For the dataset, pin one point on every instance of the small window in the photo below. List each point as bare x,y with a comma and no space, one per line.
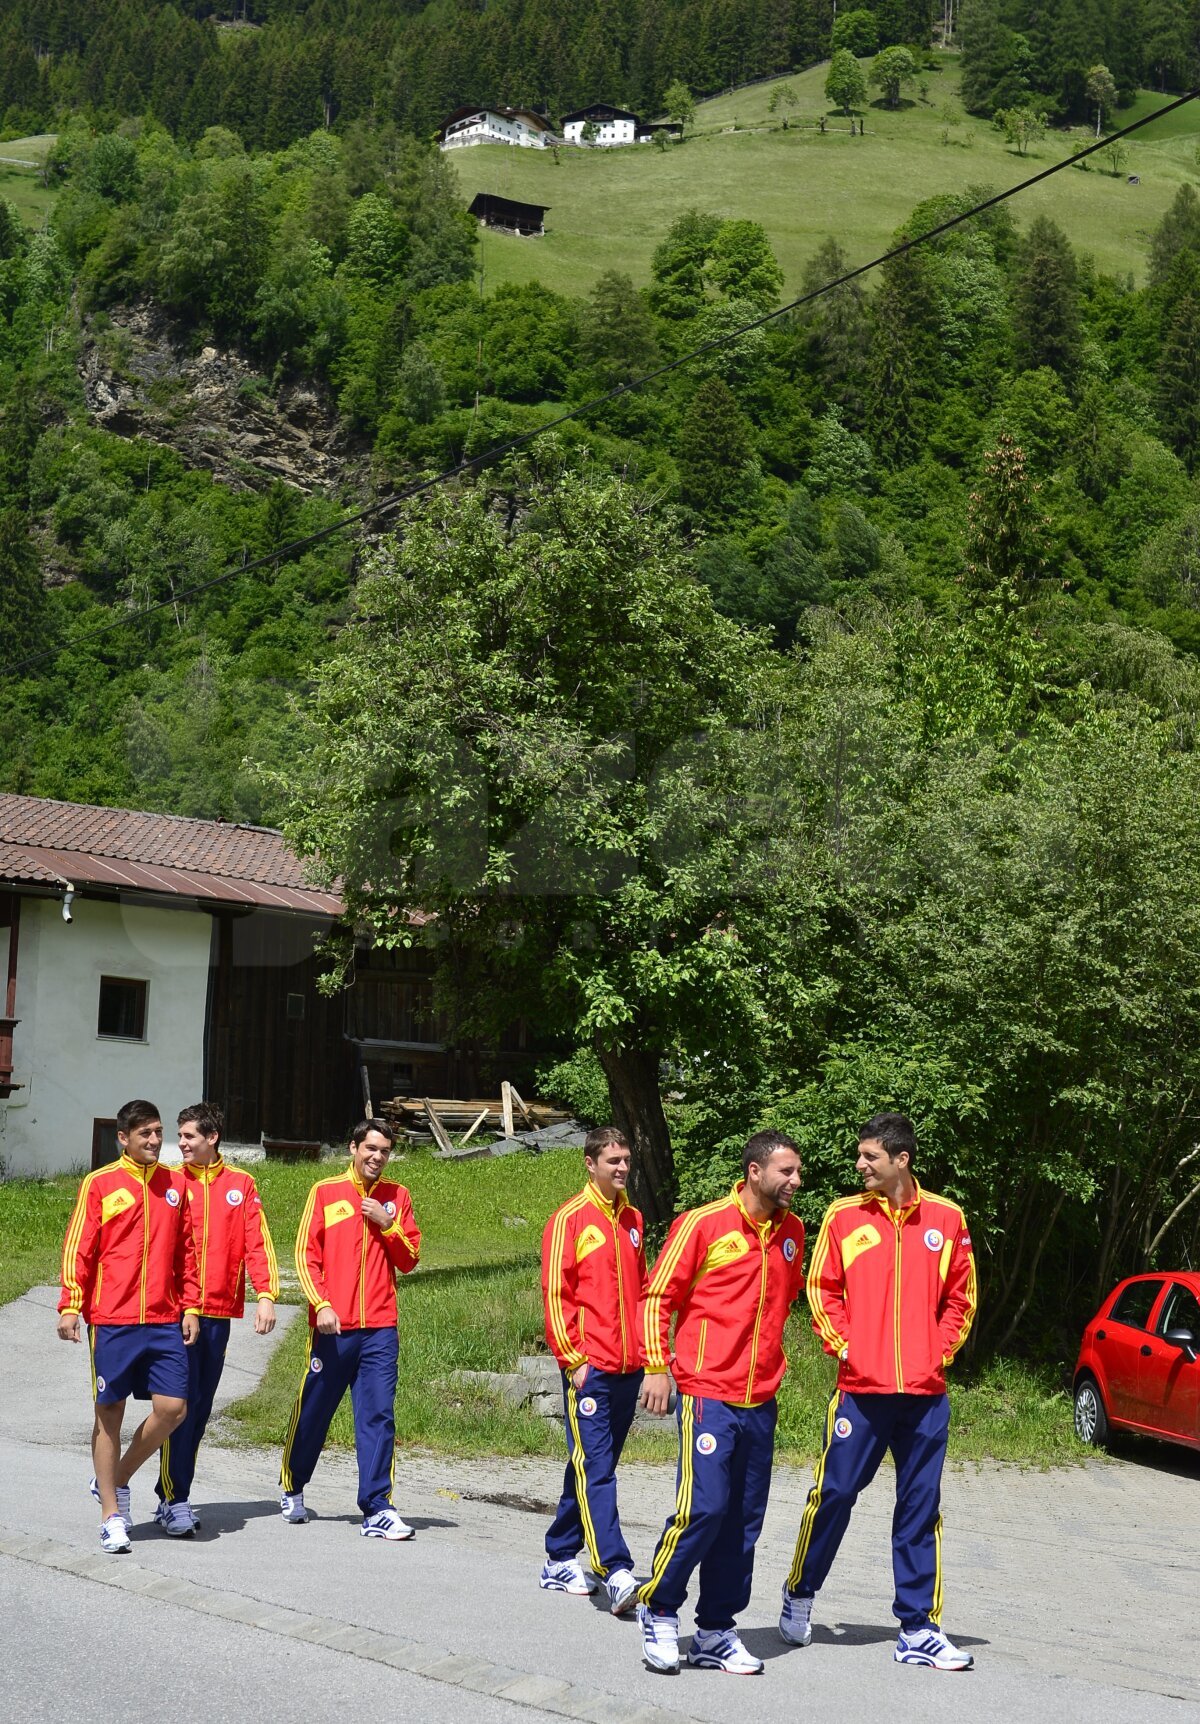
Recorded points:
1136,1303
1181,1311
295,1006
105,1147
122,1013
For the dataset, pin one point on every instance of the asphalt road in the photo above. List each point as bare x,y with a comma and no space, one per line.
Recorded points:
1075,1590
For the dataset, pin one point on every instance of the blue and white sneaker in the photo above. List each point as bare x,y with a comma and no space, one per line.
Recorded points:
114,1535
929,1646
622,1591
795,1619
386,1523
565,1577
122,1501
291,1507
660,1638
176,1519
721,1649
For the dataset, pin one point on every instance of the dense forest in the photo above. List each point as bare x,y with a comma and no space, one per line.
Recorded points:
921,560
273,70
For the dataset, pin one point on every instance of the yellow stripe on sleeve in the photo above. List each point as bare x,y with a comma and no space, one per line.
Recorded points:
554,1284
821,1319
307,1285
70,1257
664,1269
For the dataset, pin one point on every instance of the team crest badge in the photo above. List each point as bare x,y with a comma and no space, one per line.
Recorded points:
316,1366
587,1406
933,1239
842,1427
635,1238
172,1197
233,1198
705,1443
101,1385
390,1209
789,1249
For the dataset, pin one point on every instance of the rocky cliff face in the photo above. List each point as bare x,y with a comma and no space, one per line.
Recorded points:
140,380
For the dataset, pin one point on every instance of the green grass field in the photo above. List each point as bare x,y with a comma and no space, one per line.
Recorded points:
609,208
475,1304
22,186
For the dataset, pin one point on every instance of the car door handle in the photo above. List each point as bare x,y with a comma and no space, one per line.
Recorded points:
1146,1352
1102,1334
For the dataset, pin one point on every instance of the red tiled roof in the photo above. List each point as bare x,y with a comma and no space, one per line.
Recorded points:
66,843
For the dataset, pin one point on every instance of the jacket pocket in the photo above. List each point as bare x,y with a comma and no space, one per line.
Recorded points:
701,1344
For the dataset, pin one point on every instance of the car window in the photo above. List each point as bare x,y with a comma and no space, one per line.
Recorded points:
1136,1303
1181,1311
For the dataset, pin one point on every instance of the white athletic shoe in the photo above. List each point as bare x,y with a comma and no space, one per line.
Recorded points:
929,1646
114,1535
622,1590
291,1507
386,1523
122,1502
721,1649
795,1619
565,1577
660,1638
176,1519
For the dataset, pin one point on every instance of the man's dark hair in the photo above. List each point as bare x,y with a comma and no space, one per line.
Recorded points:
365,1126
206,1117
762,1147
894,1131
136,1113
600,1137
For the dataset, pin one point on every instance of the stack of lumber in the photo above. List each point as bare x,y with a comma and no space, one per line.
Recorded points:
441,1115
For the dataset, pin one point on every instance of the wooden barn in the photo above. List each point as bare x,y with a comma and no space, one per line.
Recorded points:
508,213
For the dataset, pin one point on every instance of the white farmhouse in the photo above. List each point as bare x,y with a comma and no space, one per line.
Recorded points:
606,126
520,126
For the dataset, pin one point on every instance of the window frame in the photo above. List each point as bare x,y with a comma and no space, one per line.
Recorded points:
138,982
1156,1286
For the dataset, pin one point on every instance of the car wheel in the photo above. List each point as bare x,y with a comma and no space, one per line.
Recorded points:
1091,1419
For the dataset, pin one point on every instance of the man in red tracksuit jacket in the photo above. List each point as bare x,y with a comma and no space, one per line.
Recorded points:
230,1233
129,1269
730,1271
593,1279
357,1232
892,1291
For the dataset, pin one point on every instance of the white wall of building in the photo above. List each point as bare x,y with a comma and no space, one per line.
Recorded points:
72,1075
608,132
488,128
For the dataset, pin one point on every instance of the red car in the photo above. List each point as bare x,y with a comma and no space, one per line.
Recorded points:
1138,1367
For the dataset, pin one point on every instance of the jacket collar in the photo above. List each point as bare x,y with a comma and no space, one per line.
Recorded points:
136,1170
206,1175
883,1204
767,1226
613,1209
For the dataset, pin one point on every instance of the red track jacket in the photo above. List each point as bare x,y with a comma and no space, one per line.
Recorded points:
128,1256
350,1263
897,1290
593,1279
231,1234
732,1281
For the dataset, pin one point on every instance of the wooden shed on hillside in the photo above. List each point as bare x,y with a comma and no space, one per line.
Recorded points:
508,213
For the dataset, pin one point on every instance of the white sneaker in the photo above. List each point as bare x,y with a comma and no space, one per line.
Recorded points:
122,1502
795,1619
291,1507
622,1590
176,1519
720,1649
386,1523
929,1646
114,1535
565,1577
660,1638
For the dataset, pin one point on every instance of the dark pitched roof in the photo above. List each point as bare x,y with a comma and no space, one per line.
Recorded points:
68,843
601,111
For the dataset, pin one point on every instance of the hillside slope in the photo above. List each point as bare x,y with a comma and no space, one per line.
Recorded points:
609,209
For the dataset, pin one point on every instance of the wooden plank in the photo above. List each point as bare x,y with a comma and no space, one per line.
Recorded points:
435,1125
470,1134
506,1118
512,1090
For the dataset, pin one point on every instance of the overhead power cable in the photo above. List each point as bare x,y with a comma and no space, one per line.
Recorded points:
499,451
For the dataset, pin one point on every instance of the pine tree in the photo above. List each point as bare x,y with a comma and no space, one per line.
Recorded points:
1046,329
1178,383
1007,550
714,451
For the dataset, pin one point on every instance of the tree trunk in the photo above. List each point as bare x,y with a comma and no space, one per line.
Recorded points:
636,1099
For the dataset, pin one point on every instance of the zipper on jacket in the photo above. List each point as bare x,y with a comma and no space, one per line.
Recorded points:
204,1252
762,1299
145,1245
620,1293
362,1273
898,1223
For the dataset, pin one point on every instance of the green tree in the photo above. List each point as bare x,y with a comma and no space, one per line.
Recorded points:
1022,127
22,597
741,264
714,451
1178,379
1006,526
891,70
1101,91
678,104
616,331
784,101
845,82
561,785
857,32
1046,327
1177,232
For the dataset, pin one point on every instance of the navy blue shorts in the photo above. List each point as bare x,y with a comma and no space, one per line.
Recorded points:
138,1359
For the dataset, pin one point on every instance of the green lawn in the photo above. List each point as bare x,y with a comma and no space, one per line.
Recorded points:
22,186
475,1304
609,208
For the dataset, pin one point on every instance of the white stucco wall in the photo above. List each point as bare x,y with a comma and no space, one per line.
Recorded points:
489,128
72,1075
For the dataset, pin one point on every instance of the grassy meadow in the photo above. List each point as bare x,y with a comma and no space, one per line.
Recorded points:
22,186
475,1304
609,208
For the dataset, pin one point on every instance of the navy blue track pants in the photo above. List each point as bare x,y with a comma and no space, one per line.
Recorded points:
365,1361
598,1418
177,1457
